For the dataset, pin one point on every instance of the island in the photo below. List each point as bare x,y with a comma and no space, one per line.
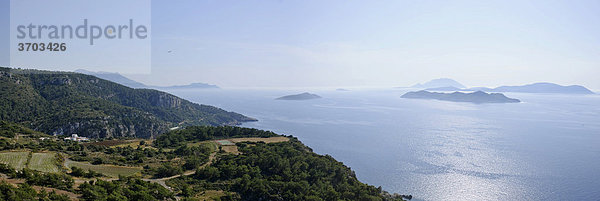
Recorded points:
302,96
544,87
438,83
474,97
444,89
114,77
198,85
541,87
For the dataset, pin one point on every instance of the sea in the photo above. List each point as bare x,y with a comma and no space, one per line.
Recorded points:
545,148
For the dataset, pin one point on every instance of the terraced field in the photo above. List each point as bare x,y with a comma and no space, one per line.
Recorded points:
44,162
17,160
108,170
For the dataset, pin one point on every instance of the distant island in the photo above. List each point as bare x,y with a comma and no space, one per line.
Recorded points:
302,96
540,87
544,87
474,97
446,89
114,77
198,85
341,89
441,82
120,79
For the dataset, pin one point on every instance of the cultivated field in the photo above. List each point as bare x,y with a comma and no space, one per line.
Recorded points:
44,162
210,144
258,139
231,149
108,170
17,160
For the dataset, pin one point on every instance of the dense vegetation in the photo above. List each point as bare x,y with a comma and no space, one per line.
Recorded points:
275,171
9,129
24,192
66,103
123,189
280,171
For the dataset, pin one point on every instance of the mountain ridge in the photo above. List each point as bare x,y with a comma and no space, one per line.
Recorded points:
67,103
121,79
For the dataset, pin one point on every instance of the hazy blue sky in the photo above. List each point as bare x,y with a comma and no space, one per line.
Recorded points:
373,43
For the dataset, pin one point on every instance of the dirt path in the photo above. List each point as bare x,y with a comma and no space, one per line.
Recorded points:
161,181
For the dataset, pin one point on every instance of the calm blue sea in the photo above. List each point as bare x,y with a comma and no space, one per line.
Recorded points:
545,148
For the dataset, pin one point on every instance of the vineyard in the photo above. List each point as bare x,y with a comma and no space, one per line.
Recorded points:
43,162
17,160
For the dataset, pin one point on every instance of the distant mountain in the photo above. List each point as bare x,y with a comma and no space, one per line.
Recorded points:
190,86
341,89
120,79
479,89
68,103
302,96
443,89
544,87
114,77
441,82
475,97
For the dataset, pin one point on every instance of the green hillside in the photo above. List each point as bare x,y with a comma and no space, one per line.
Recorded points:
67,103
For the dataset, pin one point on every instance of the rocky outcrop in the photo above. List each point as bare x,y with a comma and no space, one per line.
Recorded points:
165,100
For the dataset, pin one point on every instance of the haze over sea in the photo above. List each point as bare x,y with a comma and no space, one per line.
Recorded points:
545,148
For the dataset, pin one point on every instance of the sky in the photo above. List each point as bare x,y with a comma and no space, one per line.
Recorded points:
370,43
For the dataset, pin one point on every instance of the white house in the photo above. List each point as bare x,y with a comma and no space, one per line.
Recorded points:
74,137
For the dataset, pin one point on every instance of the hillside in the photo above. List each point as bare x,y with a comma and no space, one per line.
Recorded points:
66,103
195,163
